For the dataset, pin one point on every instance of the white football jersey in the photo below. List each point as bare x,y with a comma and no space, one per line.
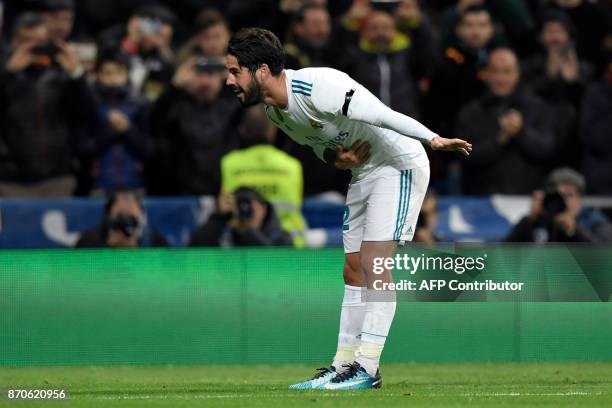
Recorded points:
326,107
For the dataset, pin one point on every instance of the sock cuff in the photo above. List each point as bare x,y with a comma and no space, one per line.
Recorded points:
352,296
370,350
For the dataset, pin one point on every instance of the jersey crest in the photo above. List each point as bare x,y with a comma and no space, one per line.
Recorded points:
315,125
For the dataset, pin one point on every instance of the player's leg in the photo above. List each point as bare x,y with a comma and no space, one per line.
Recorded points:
380,307
352,312
378,316
353,307
381,235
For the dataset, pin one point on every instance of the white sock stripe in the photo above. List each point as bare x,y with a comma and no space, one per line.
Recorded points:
352,296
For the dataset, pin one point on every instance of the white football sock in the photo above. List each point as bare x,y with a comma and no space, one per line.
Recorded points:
376,325
351,321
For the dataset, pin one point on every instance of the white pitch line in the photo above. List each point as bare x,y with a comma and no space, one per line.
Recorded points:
348,394
529,394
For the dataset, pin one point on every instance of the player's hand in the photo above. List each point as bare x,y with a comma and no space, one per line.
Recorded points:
357,154
453,145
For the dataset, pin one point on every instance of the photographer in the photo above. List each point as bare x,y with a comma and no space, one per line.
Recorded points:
123,225
243,218
557,214
277,176
44,99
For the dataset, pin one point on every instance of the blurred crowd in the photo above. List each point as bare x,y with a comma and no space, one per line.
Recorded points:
101,96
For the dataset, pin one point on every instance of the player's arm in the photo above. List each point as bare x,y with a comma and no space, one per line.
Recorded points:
365,107
345,159
342,96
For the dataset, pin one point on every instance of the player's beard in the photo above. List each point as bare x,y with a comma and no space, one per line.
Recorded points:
254,95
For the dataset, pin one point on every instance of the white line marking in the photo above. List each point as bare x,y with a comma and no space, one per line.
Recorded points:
341,394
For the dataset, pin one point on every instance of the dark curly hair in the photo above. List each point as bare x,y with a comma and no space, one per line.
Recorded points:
253,47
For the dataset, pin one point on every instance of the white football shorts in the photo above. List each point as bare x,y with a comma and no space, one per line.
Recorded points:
384,208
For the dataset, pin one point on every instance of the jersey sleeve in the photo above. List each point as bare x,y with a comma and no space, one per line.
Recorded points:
338,94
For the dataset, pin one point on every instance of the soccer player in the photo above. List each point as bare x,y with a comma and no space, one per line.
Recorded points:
349,128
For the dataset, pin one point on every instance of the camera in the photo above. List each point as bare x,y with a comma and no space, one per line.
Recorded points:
49,49
126,224
553,204
244,202
209,65
44,54
149,26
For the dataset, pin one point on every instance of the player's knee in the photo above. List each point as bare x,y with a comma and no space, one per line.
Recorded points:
352,272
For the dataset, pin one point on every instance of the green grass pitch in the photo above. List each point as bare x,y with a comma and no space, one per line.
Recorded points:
405,385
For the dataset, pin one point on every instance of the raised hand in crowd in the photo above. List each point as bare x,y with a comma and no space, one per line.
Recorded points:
22,58
68,58
408,12
358,11
185,74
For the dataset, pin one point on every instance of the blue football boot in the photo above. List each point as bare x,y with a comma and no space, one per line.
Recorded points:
317,382
354,378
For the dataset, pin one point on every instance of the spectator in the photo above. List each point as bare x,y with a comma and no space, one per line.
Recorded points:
557,214
148,43
556,73
381,63
273,173
593,22
244,218
511,129
516,25
59,18
193,125
595,128
211,38
44,98
409,19
458,79
121,143
308,44
428,220
124,225
414,22
274,15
